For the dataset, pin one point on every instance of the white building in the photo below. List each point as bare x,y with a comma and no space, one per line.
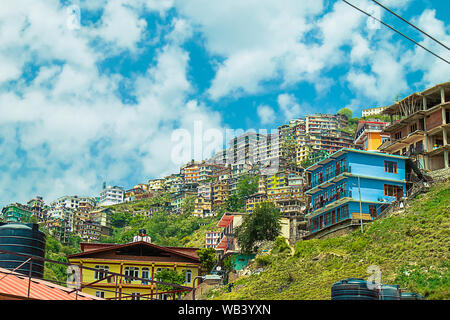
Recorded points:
63,213
372,111
111,195
71,202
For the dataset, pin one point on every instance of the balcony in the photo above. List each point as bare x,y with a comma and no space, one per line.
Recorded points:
329,175
321,202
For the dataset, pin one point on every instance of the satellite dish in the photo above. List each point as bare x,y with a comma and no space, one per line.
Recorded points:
218,268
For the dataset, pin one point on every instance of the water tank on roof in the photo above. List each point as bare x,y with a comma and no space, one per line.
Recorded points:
22,238
389,292
411,296
353,289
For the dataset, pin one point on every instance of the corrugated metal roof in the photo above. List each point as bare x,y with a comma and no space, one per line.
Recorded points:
15,285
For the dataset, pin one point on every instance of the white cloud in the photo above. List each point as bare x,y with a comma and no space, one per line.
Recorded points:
66,130
266,114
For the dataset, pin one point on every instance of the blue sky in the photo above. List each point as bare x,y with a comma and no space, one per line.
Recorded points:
93,91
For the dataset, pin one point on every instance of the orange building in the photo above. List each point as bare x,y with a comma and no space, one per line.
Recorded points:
369,135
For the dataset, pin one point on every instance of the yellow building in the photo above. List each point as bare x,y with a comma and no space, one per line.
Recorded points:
277,180
203,207
221,192
141,260
302,153
253,200
156,185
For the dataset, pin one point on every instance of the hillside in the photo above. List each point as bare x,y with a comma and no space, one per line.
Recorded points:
163,228
410,247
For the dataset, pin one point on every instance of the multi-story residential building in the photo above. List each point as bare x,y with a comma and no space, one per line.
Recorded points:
59,228
242,147
111,195
205,190
191,171
302,153
155,185
64,214
277,180
252,201
289,200
369,135
130,195
372,111
317,124
139,262
420,125
262,184
207,171
72,202
178,198
203,207
221,192
88,230
173,183
268,151
238,169
330,141
16,212
102,216
212,239
352,185
38,207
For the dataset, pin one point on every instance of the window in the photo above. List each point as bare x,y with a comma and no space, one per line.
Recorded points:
100,272
393,191
100,294
372,210
390,166
145,275
413,127
135,296
188,276
132,272
398,136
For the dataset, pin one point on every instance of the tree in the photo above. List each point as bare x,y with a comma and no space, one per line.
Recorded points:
346,112
263,224
208,258
234,203
188,205
170,276
247,185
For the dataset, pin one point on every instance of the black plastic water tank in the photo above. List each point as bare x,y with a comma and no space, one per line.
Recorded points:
22,238
353,289
389,292
411,296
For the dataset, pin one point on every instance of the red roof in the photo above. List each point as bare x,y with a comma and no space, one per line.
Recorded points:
225,221
223,244
14,285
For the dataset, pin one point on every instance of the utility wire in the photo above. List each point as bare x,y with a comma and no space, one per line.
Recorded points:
368,14
411,24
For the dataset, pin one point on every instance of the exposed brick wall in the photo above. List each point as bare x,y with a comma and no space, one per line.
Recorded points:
434,119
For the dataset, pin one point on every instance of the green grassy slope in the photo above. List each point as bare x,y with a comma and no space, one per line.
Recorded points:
411,248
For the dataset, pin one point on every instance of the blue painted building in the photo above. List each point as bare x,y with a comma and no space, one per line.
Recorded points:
336,183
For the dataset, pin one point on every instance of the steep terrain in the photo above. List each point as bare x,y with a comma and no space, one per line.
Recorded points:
410,247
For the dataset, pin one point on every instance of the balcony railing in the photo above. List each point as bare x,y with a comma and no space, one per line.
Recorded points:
320,203
328,175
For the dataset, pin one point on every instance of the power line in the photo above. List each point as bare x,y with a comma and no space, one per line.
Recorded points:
368,14
411,24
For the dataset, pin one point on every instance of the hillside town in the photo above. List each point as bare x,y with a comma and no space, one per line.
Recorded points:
324,176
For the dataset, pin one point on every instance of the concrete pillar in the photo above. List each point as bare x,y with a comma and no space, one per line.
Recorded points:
445,159
442,95
444,136
424,103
